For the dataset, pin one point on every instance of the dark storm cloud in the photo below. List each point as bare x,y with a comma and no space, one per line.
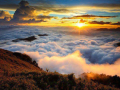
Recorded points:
24,14
24,11
28,12
9,6
17,1
61,10
45,17
54,6
118,23
88,17
28,21
5,22
99,22
13,4
111,29
102,23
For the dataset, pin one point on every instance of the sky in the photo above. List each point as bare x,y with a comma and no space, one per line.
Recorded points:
81,13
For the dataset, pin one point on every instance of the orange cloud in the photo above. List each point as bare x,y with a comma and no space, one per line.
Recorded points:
4,14
99,22
88,17
75,63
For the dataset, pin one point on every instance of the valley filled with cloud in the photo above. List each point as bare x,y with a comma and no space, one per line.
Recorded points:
66,50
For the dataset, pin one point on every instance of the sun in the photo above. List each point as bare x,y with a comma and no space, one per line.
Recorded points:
80,24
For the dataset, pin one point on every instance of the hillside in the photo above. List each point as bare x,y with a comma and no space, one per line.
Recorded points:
19,72
14,62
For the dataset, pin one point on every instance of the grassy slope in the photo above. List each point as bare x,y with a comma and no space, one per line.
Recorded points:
11,63
18,72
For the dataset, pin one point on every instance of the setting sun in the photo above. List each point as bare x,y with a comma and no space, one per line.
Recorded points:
80,24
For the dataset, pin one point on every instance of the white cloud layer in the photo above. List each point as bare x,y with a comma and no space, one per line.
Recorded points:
66,52
74,63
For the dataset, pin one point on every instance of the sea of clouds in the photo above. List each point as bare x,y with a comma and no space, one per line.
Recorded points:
66,50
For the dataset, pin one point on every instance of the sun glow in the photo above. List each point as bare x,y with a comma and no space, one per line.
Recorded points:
80,24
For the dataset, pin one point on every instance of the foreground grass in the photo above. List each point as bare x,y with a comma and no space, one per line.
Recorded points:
48,81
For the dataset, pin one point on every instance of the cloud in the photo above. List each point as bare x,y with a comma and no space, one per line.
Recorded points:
95,16
11,7
74,63
82,21
51,7
61,10
17,1
64,52
4,14
24,14
42,6
118,23
43,17
95,53
111,29
28,21
102,22
6,20
99,22
97,50
110,8
5,17
88,17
